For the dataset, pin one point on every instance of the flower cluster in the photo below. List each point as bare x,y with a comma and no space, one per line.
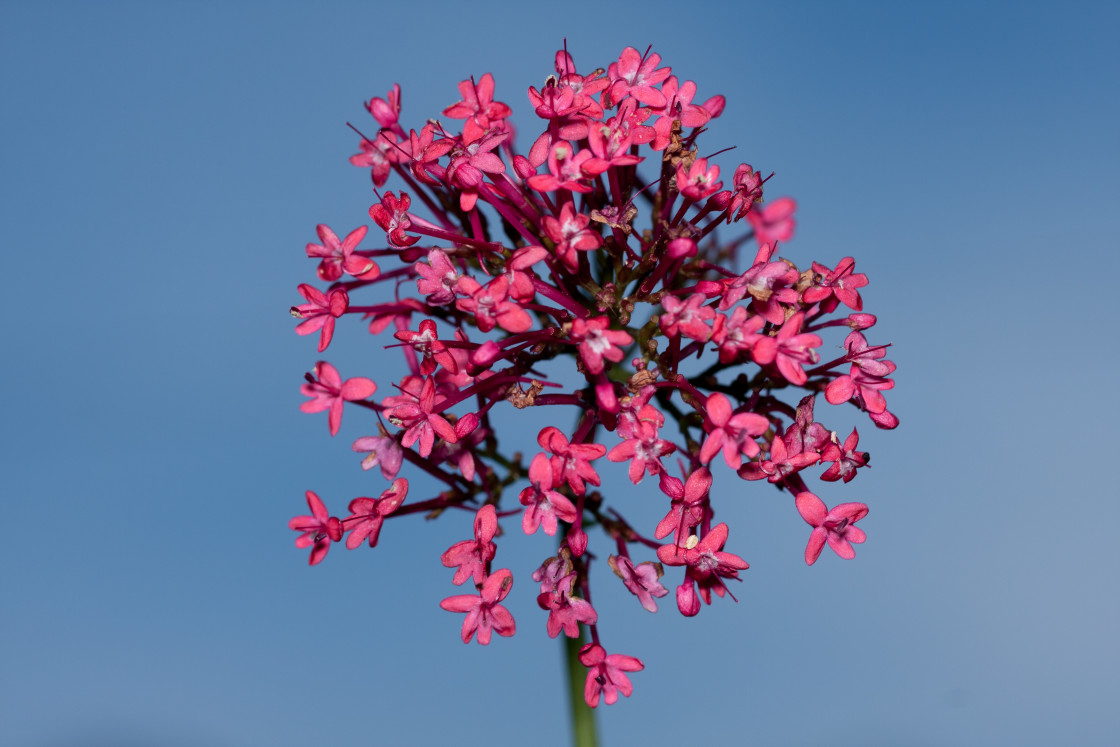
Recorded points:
586,275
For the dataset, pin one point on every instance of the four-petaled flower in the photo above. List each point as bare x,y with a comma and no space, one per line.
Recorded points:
339,255
320,311
329,392
319,529
606,675
641,579
484,613
471,557
597,341
836,527
367,514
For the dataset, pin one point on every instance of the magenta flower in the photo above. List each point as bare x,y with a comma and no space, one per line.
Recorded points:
492,306
689,318
384,450
732,434
836,527
319,312
378,155
636,76
606,675
565,611
698,181
641,579
413,410
438,279
367,514
339,255
544,506
478,107
643,449
845,459
789,350
774,222
427,343
329,392
707,565
570,233
780,464
318,531
597,342
472,557
392,216
687,508
836,286
571,463
484,613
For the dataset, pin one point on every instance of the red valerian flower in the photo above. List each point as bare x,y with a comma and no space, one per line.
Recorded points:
836,286
478,107
687,507
571,462
845,459
790,350
565,610
384,450
836,527
318,530
413,409
491,305
707,565
319,312
774,222
471,557
698,181
570,233
641,579
780,463
730,433
606,675
690,317
367,514
378,155
392,215
643,449
597,341
438,278
634,76
427,343
329,392
339,255
484,613
543,504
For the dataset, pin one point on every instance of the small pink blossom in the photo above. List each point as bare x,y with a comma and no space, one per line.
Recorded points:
384,450
836,286
544,506
688,504
565,610
606,675
571,463
319,529
707,566
641,579
836,527
789,350
698,181
690,317
774,222
478,108
471,558
329,392
413,410
597,342
491,305
484,613
339,255
636,76
392,216
845,459
730,433
426,342
643,450
319,312
780,464
438,279
367,514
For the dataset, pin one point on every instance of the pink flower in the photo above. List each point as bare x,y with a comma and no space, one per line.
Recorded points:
543,504
484,613
339,255
733,434
643,449
392,215
384,450
319,312
438,278
836,286
845,459
606,674
378,156
707,565
690,317
471,557
641,579
571,462
636,77
329,392
370,513
748,192
598,342
698,181
427,343
413,409
491,306
478,108
688,502
565,610
736,334
570,232
790,350
318,530
774,222
780,463
836,527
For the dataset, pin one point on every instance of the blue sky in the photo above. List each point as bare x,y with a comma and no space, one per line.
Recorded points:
164,165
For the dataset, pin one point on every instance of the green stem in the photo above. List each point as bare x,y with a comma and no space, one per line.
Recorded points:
583,718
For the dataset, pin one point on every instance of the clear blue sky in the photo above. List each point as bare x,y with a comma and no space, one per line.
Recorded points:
163,165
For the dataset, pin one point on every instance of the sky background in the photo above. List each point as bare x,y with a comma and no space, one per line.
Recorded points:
164,165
